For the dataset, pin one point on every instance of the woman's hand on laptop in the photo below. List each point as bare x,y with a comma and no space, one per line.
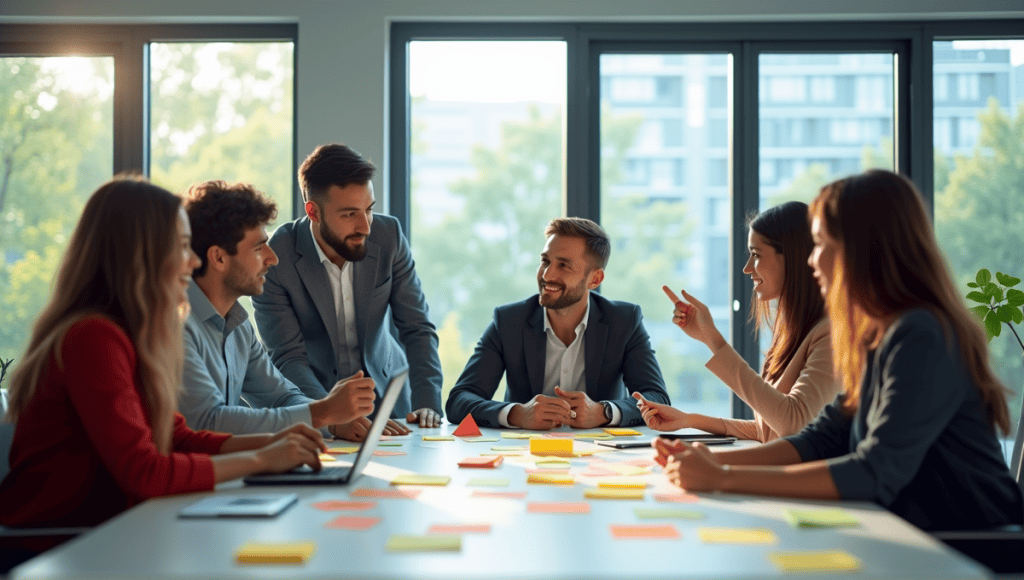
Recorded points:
297,445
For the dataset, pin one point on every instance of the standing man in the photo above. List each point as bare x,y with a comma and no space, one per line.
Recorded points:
568,355
345,287
230,384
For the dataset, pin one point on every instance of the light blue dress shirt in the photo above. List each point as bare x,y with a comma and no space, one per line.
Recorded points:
225,362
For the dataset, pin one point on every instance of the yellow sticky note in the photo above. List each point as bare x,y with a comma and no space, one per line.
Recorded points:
830,561
826,518
551,478
737,536
438,438
553,464
433,543
519,435
621,483
559,447
620,432
274,553
608,493
623,469
417,479
342,450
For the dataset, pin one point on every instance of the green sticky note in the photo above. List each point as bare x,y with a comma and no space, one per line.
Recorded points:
488,482
480,439
388,444
821,518
438,438
417,479
432,543
666,513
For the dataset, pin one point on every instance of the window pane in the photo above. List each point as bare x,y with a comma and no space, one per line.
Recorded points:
667,204
56,143
223,110
822,116
486,177
979,188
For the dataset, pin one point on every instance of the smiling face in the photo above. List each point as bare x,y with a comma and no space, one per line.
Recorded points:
248,267
823,257
344,219
565,273
765,266
185,260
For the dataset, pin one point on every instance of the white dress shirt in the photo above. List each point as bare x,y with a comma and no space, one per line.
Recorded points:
348,354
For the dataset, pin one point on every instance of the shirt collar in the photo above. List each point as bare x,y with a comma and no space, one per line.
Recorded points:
203,309
582,326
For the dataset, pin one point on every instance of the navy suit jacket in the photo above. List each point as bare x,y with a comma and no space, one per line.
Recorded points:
618,357
298,321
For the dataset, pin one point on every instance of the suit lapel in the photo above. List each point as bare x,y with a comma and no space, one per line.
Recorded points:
364,275
596,339
535,350
314,277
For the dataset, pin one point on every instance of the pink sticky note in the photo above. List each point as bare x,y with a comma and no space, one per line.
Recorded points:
676,497
637,531
560,434
544,471
338,505
558,507
500,494
641,462
386,493
388,453
594,471
460,529
352,523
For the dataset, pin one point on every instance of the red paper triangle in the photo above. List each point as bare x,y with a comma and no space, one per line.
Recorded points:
468,428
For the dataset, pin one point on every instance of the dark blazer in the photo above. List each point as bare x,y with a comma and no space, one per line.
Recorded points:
618,357
298,324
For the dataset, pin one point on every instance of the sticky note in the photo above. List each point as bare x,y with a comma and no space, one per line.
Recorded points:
435,543
640,531
388,453
388,444
438,438
601,436
676,497
352,523
645,513
558,447
623,469
274,553
508,448
488,482
602,493
558,507
417,479
550,478
547,470
480,439
553,464
827,561
337,505
467,428
619,432
386,493
327,457
484,462
499,494
818,518
622,482
460,529
519,435
737,536
505,453
342,450
560,434
593,471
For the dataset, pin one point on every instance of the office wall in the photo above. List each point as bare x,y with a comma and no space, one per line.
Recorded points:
343,45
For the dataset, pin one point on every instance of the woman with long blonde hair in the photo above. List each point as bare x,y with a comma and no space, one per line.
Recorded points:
915,427
95,395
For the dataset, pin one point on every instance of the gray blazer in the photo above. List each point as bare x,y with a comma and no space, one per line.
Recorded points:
298,323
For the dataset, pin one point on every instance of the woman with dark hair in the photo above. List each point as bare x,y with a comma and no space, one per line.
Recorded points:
95,395
796,380
915,426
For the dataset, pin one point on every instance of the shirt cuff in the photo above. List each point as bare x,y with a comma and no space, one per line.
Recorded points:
503,415
616,415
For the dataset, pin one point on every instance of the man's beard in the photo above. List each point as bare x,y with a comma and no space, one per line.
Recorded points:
348,253
569,296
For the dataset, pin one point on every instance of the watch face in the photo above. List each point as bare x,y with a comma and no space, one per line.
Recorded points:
607,411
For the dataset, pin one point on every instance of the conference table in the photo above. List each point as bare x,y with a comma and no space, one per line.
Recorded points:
507,538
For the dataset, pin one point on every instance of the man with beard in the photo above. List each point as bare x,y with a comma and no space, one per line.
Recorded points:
569,356
230,384
345,288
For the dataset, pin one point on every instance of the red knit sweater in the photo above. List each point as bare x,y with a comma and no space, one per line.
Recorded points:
83,448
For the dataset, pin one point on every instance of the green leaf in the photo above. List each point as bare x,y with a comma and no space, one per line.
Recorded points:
997,293
983,277
979,297
1015,297
972,285
1005,313
1018,316
980,311
992,325
1007,280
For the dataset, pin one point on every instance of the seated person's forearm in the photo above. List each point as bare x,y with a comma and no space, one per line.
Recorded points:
810,480
234,465
778,452
245,442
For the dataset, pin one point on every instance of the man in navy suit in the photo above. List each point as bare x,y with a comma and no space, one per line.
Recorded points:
568,356
345,287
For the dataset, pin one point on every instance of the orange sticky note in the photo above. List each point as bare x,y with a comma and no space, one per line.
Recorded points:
558,507
621,432
460,529
468,428
676,497
357,523
641,531
386,493
546,446
484,461
338,505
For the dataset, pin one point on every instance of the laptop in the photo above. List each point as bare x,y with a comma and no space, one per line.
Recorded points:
342,474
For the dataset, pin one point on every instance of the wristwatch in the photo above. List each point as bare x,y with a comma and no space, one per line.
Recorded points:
607,410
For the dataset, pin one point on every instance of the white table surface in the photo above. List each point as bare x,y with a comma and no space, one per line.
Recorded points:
151,541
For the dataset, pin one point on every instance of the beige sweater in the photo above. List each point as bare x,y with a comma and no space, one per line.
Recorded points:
783,408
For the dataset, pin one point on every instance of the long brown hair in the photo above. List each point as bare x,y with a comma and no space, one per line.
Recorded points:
888,263
785,228
116,266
